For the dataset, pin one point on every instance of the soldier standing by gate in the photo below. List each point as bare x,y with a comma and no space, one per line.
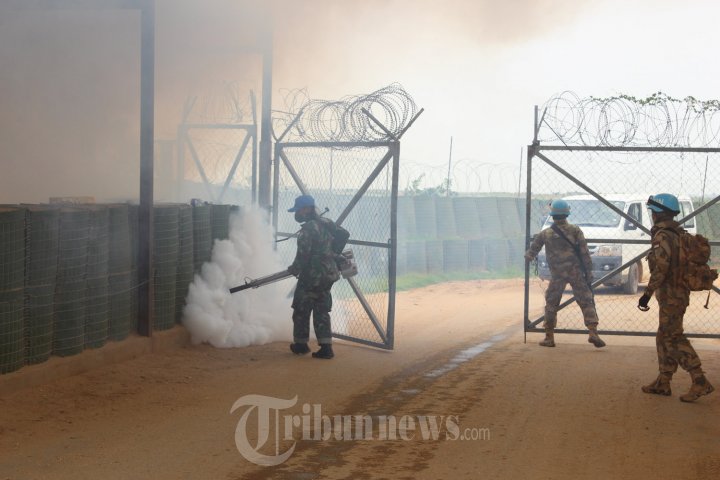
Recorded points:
569,261
673,296
316,268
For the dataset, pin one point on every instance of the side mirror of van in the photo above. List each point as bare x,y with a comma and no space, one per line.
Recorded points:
629,226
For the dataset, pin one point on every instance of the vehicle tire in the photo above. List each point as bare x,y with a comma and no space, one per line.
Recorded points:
630,287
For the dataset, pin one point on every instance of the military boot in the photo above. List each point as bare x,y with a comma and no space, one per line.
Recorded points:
299,348
325,351
700,386
595,339
549,340
661,386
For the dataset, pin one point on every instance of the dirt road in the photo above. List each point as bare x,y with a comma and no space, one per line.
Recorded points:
528,412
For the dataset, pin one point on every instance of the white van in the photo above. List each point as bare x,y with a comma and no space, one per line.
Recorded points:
598,222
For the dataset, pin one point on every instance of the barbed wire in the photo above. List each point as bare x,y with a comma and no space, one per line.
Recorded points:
623,121
467,176
230,102
344,119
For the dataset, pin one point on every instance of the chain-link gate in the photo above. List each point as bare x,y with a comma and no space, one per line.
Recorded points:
607,185
356,185
346,154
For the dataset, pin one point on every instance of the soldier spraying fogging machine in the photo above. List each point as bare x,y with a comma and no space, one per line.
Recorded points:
320,261
671,285
319,246
569,261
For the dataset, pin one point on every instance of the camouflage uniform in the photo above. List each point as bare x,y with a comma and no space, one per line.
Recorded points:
565,268
316,270
673,297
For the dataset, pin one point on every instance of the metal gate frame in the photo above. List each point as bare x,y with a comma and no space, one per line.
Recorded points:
185,140
392,155
536,150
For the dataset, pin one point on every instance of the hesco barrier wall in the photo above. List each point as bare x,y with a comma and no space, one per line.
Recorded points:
68,275
460,234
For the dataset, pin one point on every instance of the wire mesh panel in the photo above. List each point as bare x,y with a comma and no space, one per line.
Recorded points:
185,264
165,262
96,315
120,281
71,292
42,235
605,157
220,221
202,235
134,220
361,307
12,278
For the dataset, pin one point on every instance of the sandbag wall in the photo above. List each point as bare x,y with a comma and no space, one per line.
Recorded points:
457,234
69,275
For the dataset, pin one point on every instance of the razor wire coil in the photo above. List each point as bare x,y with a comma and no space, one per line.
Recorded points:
624,121
345,120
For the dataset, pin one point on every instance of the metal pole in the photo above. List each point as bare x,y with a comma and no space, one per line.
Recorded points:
253,102
702,199
447,185
145,212
180,176
528,213
265,160
520,171
392,279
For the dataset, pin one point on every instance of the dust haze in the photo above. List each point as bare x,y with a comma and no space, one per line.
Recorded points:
69,109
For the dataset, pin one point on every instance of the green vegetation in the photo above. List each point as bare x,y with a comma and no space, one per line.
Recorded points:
409,281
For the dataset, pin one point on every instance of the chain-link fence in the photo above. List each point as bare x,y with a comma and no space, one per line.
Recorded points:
217,162
354,186
607,188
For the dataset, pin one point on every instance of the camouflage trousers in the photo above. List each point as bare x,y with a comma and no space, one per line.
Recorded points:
673,347
582,293
318,303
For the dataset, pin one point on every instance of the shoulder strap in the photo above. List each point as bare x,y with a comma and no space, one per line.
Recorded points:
559,231
676,257
575,248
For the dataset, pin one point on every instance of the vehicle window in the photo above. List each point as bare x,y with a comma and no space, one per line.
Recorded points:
593,213
634,212
685,209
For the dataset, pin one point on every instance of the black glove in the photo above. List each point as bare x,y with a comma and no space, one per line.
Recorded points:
643,302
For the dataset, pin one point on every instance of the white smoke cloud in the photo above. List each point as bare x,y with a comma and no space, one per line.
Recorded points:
252,317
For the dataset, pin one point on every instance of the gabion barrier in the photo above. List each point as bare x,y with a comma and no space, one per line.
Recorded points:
71,294
120,274
185,267
165,261
96,315
42,236
68,275
202,235
12,273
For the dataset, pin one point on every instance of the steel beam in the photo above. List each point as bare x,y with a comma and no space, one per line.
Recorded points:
145,213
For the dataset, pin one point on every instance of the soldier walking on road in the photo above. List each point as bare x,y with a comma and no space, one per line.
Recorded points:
569,261
673,296
316,268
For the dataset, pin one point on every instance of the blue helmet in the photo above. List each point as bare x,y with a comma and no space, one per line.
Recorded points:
559,207
301,202
664,203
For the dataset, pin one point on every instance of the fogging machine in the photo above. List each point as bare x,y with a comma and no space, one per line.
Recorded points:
346,265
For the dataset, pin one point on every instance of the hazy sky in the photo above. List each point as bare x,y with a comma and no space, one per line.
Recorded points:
69,80
479,71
